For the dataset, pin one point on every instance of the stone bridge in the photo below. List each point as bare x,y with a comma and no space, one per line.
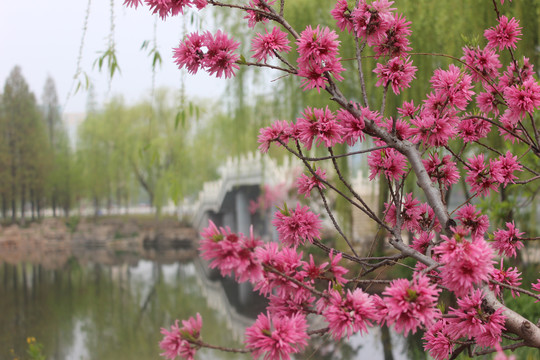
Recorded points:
226,201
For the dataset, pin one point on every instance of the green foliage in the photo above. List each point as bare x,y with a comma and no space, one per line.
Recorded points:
35,349
108,57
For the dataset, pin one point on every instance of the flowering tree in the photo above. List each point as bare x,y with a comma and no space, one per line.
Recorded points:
453,249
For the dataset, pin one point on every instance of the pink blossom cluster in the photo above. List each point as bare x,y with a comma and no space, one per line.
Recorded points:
411,304
307,183
320,126
182,341
213,53
318,57
168,7
510,276
297,226
229,251
473,320
465,262
463,105
483,177
267,45
258,15
375,23
276,337
386,32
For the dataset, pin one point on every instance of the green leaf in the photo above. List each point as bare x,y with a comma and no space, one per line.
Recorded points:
180,118
157,58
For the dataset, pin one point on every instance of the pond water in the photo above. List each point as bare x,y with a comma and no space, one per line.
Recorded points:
114,309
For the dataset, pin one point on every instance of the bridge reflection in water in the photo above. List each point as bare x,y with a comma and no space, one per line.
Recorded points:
87,309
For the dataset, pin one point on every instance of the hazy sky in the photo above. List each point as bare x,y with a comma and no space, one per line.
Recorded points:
43,37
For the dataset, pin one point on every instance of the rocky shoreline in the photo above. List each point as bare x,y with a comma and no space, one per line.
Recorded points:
52,243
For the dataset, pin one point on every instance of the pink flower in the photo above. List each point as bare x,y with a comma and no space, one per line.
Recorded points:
168,7
401,127
422,242
220,58
314,271
507,241
397,72
387,161
408,109
177,341
483,64
353,127
349,314
337,270
465,263
411,303
275,338
287,261
342,15
290,303
395,42
480,177
254,17
523,99
472,129
372,21
472,319
279,130
409,215
320,124
473,220
487,102
510,277
296,226
264,46
433,129
443,171
516,74
505,35
454,85
246,266
318,50
438,341
306,183
189,53
506,165
221,247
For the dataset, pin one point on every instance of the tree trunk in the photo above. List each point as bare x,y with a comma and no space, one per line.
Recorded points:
38,207
4,206
32,204
23,200
53,202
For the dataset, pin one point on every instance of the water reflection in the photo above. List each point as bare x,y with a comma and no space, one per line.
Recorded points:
113,309
92,311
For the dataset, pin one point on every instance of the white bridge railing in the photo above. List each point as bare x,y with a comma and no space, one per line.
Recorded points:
251,169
